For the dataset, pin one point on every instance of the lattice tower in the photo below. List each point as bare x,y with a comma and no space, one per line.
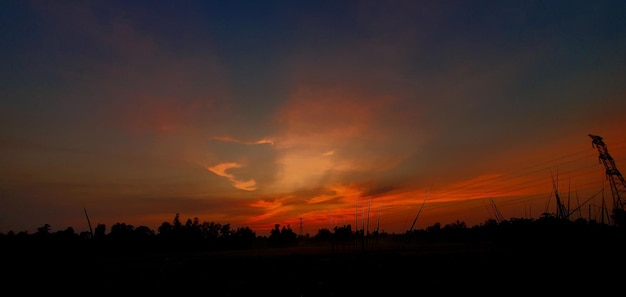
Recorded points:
615,178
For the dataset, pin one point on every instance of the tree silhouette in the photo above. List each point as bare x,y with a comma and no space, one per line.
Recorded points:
323,234
144,232
243,237
43,231
100,232
122,231
282,237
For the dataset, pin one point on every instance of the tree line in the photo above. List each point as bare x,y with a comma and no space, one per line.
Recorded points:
207,235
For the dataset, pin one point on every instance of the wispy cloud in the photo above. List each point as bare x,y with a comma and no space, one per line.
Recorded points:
267,204
248,185
271,209
220,169
230,139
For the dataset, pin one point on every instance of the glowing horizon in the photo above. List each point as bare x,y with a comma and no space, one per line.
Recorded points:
306,113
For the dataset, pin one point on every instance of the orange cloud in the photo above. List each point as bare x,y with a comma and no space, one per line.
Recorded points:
267,204
336,191
272,209
328,153
249,185
230,139
220,169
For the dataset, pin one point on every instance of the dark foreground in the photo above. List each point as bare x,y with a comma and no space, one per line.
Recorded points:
416,269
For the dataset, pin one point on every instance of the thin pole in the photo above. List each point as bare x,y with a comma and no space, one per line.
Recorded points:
418,213
88,223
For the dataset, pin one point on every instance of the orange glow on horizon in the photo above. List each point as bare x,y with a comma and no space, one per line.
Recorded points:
364,120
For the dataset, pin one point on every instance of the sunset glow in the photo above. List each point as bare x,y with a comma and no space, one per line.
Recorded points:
308,115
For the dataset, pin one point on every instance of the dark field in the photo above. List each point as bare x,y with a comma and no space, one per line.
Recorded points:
391,268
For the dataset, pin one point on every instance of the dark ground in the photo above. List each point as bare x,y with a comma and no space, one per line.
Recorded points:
483,268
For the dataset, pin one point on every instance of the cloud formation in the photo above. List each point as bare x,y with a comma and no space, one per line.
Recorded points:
220,169
298,113
230,139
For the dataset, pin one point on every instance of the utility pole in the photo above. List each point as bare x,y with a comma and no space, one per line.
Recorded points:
615,178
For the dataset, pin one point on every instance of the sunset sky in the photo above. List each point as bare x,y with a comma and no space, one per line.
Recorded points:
308,114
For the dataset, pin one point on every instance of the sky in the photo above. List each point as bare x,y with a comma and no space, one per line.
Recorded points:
385,115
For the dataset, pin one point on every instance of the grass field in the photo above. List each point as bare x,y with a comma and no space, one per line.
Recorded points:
391,268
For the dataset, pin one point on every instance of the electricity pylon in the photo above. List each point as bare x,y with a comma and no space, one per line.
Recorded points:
615,178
